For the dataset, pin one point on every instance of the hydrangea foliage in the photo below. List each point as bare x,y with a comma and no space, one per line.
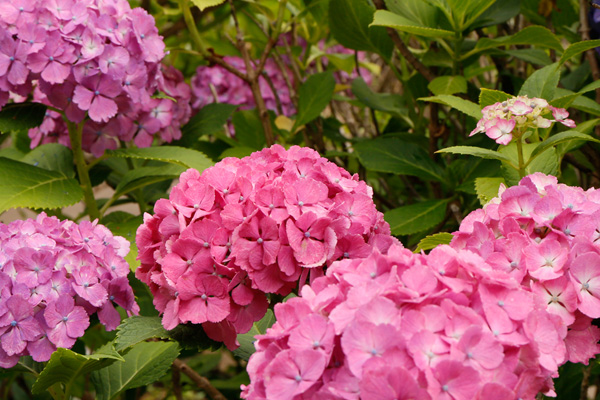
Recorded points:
90,58
53,276
247,227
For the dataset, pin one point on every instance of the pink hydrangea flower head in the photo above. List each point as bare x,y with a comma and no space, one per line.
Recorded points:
54,276
243,228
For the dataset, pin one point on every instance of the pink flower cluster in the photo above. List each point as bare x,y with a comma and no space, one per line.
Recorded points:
399,325
545,235
246,227
90,58
53,276
214,84
502,121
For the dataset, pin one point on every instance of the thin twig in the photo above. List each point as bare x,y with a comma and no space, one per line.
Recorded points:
585,382
176,379
199,380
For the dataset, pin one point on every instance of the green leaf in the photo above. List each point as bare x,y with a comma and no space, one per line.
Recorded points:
532,55
313,97
24,185
66,365
501,11
389,103
399,157
534,35
475,151
487,188
546,162
488,97
209,120
18,117
462,105
137,329
349,22
145,363
448,85
560,138
144,176
124,224
53,157
432,241
237,152
249,131
187,158
400,23
246,340
577,48
204,4
542,83
415,218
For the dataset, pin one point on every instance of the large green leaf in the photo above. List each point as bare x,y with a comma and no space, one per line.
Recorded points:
172,154
249,131
25,185
144,363
204,4
560,138
415,218
247,339
349,22
66,365
448,85
399,157
501,11
52,156
578,48
313,97
18,117
143,176
432,241
208,120
136,329
389,103
487,188
398,22
476,151
488,97
462,105
542,83
532,35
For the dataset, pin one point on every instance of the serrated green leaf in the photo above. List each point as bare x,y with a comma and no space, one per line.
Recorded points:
144,363
475,151
19,117
349,22
542,83
53,157
487,188
246,340
400,23
488,97
137,329
560,138
66,365
415,218
24,185
577,48
204,4
397,156
462,105
209,120
448,85
313,97
432,241
172,154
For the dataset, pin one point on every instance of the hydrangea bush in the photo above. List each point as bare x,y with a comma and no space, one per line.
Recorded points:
247,227
54,276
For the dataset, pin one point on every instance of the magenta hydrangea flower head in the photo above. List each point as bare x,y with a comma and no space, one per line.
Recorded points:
545,235
501,121
54,275
398,325
92,60
243,228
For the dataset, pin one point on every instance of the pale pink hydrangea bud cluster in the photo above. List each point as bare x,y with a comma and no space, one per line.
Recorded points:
214,84
53,276
243,228
513,117
399,325
90,58
546,236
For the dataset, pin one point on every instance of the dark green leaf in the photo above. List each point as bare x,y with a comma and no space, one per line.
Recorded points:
246,340
415,218
389,103
21,116
208,120
542,83
560,138
143,176
462,105
53,157
313,97
249,130
187,158
448,85
475,151
400,23
577,48
534,35
136,329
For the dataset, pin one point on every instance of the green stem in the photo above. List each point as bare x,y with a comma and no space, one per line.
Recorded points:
75,133
520,155
191,24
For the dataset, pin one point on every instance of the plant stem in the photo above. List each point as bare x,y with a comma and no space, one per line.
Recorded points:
199,380
75,133
520,155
